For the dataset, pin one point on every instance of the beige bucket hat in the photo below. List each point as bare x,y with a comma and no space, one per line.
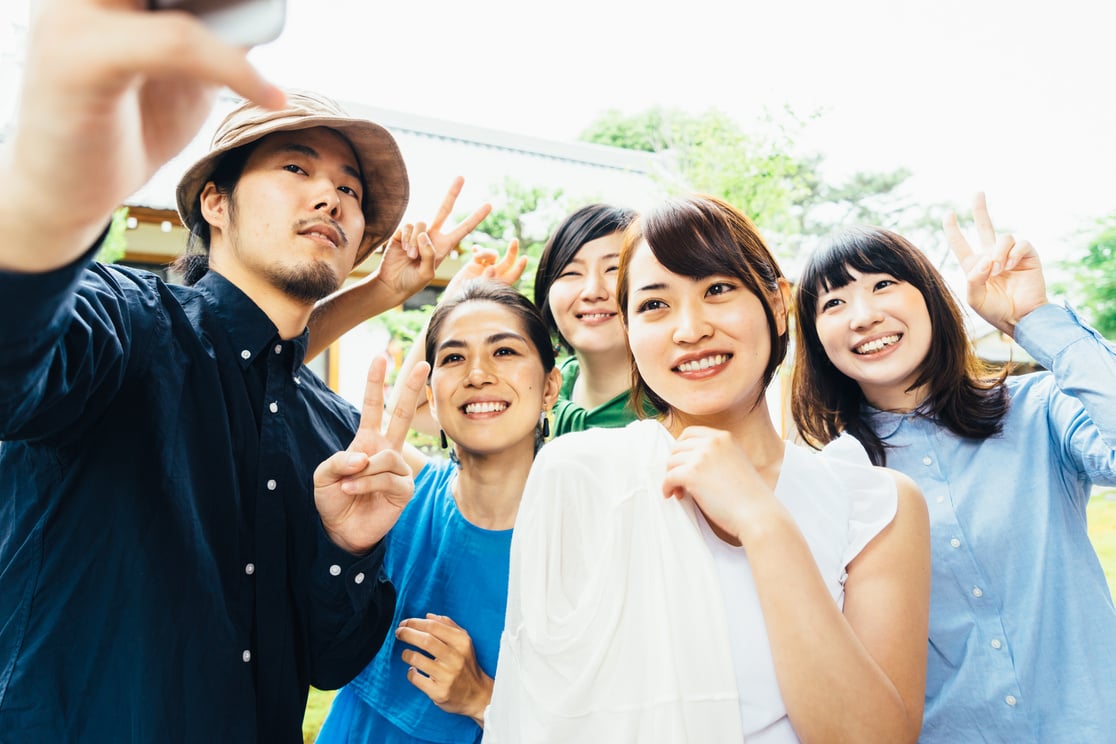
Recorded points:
386,187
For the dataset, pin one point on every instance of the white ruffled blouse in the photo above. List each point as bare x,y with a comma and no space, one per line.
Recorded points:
619,600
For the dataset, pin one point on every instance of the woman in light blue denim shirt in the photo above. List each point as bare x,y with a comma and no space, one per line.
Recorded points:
1022,640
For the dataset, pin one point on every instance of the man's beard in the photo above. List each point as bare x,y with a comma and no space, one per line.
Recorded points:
308,283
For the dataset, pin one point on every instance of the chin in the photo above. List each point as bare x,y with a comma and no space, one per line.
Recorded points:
308,283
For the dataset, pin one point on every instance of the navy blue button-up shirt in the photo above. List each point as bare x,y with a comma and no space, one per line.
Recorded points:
164,576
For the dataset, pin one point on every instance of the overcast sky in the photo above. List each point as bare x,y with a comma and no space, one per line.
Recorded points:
1012,97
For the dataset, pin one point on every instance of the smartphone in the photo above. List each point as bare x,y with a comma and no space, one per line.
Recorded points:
240,22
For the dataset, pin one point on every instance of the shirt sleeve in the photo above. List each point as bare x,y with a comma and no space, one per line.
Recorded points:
67,340
352,605
1082,410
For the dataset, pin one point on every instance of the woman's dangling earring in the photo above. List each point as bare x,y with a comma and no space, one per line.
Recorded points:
442,437
544,422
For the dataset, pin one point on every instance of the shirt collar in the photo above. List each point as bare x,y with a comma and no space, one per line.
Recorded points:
885,423
249,329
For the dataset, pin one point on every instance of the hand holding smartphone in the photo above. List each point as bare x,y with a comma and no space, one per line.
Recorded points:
240,22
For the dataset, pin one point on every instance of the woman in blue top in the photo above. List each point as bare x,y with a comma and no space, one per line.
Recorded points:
491,383
1022,625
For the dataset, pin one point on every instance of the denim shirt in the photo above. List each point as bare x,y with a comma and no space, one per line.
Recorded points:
164,575
1022,626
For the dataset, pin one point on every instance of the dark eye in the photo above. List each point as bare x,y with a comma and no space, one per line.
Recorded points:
719,288
350,191
294,168
832,302
450,359
884,283
649,305
506,351
611,269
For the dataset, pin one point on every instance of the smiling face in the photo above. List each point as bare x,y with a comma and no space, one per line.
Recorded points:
877,331
294,218
701,344
487,383
582,298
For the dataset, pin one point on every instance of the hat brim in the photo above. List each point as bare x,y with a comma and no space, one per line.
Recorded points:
386,185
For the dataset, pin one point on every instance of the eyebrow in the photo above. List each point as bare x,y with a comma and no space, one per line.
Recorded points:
310,152
495,338
656,287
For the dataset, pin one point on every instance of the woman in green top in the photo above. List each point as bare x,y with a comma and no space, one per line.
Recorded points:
575,289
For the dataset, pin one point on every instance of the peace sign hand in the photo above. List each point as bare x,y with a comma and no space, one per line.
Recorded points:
1005,280
361,492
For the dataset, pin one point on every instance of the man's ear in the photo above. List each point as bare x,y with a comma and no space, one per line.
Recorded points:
214,206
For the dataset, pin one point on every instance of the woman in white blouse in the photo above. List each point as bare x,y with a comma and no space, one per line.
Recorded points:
695,578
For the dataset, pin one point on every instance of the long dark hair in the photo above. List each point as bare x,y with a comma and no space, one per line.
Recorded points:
967,396
589,223
696,237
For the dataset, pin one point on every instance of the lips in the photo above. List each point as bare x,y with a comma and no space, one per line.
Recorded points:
324,232
595,317
703,363
485,406
877,344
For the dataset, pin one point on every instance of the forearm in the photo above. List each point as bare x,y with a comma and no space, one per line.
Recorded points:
832,687
347,308
1082,363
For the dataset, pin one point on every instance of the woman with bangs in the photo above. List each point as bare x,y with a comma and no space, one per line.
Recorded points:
692,577
1022,634
575,290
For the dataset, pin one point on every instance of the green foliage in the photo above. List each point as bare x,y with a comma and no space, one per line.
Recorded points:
116,241
762,171
1093,285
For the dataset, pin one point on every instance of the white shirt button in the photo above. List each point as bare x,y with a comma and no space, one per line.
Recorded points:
245,354
247,656
334,570
954,543
978,592
298,380
1010,700
940,499
927,460
274,407
249,568
278,348
996,644
272,485
359,578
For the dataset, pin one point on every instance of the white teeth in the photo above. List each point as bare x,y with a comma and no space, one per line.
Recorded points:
596,316
700,364
486,407
879,343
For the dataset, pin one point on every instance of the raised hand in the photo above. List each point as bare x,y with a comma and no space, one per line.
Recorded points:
445,667
110,93
361,492
488,263
1005,279
415,252
710,467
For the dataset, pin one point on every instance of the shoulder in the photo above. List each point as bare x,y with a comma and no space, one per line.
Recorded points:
603,445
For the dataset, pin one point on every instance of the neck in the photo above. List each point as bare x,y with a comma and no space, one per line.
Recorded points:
489,487
601,377
289,315
753,430
896,399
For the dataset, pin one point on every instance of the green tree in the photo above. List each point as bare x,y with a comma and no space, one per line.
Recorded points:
1093,278
116,241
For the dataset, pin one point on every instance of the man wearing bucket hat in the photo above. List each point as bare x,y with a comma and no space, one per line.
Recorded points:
168,573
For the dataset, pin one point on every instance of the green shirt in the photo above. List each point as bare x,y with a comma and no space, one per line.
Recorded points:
569,416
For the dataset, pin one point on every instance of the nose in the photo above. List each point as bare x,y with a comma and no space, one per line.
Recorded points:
865,313
479,375
692,324
597,286
326,198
